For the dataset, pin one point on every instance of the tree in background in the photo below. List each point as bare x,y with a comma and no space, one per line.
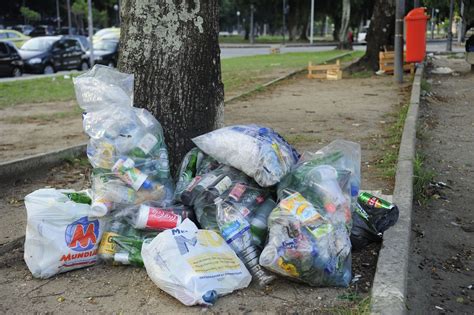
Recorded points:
344,28
172,49
29,15
381,34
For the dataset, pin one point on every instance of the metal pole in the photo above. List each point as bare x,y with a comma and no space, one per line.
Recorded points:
460,25
91,31
449,44
312,21
400,10
326,26
432,22
58,16
284,26
251,24
68,3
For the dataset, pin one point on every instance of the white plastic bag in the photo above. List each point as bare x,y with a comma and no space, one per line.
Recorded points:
60,234
195,266
258,151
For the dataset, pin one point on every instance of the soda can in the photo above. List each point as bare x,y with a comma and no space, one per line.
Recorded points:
369,201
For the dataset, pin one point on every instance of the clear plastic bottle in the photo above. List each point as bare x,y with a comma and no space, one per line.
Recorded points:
235,230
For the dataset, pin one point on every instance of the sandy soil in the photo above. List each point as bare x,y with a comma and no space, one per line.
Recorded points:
30,129
310,114
441,264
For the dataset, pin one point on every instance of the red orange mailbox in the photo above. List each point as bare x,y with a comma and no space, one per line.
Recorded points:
415,22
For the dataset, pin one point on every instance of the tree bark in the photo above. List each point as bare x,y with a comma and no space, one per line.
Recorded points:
343,31
171,47
379,36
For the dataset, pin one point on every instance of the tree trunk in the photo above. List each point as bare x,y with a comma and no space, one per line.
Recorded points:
171,47
380,35
343,31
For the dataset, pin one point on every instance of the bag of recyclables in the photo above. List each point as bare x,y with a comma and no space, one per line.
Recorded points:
126,147
259,152
309,231
61,233
194,266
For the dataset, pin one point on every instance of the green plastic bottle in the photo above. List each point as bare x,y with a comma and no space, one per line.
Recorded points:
79,197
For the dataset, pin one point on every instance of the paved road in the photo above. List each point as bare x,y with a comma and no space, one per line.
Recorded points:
240,51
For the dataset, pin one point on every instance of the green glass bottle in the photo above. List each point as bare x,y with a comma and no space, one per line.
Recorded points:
79,197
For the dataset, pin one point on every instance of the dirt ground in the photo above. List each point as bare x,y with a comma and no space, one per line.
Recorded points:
310,114
441,265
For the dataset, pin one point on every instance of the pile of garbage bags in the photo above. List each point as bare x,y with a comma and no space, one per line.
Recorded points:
245,205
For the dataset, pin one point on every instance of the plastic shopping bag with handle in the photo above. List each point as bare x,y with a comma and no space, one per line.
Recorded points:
61,235
194,266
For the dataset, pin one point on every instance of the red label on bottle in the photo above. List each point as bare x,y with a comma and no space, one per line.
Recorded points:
162,220
237,192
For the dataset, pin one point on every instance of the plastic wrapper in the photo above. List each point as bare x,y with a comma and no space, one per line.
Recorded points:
61,233
370,220
194,266
259,152
304,245
227,183
126,146
329,179
194,163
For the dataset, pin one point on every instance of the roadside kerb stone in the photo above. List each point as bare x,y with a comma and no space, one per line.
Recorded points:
389,289
12,170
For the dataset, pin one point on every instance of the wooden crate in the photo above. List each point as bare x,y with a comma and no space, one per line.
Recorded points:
387,62
274,50
328,72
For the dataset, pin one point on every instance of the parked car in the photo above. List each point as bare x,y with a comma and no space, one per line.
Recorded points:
49,54
25,29
83,40
106,52
361,36
42,30
106,33
13,36
10,60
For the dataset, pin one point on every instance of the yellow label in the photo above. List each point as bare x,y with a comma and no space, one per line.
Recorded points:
107,246
209,238
206,263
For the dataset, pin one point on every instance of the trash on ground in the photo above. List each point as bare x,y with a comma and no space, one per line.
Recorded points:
263,209
126,147
372,216
442,70
259,152
194,266
61,233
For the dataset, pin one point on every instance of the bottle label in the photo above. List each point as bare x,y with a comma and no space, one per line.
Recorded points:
223,185
237,192
107,245
234,230
158,219
193,183
126,171
147,143
208,180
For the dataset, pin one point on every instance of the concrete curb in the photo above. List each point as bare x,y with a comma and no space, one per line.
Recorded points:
13,169
390,283
289,75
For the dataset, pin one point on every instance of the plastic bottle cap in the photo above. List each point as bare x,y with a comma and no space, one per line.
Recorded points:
99,208
142,217
122,258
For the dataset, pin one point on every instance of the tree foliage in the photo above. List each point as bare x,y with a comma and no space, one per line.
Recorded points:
30,15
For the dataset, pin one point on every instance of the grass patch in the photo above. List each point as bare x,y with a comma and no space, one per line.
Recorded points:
388,164
360,306
238,74
266,39
52,89
299,138
361,74
425,85
422,177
